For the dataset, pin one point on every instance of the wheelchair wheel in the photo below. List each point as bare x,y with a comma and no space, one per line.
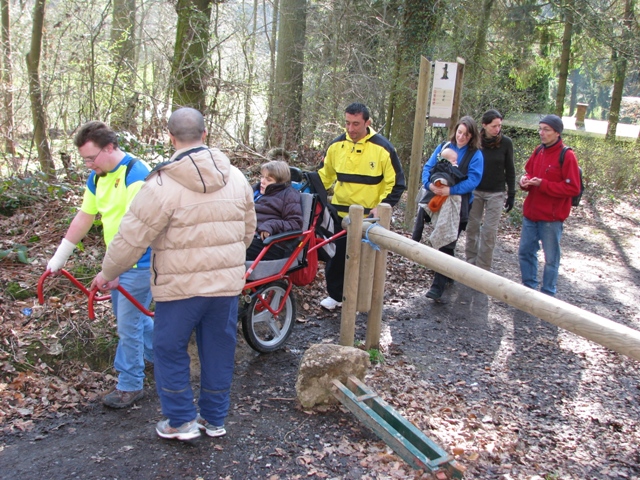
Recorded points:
262,330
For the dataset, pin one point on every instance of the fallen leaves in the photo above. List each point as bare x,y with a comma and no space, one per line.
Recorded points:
36,396
44,348
531,430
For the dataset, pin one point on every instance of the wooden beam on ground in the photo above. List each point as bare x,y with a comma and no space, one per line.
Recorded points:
413,446
603,331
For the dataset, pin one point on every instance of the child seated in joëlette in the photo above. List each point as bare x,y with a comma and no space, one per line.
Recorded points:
278,210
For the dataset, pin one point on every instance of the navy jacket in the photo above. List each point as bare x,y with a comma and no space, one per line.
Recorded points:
279,209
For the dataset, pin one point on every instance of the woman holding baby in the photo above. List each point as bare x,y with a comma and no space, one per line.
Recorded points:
465,143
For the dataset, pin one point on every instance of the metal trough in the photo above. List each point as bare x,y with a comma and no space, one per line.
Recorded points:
413,446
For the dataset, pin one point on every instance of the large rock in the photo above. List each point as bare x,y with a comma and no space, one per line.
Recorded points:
323,363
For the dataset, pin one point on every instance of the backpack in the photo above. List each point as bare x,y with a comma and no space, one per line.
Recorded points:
305,276
328,220
575,201
126,172
425,196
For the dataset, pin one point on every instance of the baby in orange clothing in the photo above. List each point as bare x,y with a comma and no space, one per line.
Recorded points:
451,156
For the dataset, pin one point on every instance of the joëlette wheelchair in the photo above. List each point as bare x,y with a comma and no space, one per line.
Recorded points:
267,307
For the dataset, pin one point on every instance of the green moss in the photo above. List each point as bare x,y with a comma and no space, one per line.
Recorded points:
375,356
18,292
93,343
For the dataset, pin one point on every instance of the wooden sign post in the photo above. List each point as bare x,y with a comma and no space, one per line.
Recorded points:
417,145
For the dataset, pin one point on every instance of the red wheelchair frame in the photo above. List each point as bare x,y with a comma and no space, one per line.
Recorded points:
92,294
268,304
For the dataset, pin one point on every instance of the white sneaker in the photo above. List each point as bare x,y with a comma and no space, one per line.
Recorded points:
330,304
186,431
209,429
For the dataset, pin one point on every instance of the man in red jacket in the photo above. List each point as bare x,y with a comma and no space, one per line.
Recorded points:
550,187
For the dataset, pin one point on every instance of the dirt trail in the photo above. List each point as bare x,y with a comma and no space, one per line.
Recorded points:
513,396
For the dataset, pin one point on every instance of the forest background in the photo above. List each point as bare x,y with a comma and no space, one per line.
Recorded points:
279,73
265,74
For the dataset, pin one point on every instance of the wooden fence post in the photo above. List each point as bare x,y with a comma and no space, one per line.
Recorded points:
374,321
365,278
351,274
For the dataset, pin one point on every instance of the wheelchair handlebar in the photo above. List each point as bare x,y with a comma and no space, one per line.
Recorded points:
92,294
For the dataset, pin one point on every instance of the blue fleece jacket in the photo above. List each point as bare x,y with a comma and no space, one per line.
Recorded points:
474,173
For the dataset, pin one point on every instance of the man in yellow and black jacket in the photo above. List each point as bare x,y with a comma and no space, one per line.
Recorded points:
364,169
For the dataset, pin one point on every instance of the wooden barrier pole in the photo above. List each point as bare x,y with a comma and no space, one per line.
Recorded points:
374,321
593,327
351,274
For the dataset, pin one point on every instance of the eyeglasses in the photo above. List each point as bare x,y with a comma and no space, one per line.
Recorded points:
92,159
545,130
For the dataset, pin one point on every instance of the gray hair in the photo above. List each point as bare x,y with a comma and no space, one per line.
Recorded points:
278,170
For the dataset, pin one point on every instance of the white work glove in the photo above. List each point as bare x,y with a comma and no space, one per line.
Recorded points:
60,257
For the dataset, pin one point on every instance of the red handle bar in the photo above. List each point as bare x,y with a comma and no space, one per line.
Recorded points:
92,294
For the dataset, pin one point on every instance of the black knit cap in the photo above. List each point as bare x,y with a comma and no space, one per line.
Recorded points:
554,122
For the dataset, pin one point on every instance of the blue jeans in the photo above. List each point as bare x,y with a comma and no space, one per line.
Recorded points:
135,330
534,233
215,322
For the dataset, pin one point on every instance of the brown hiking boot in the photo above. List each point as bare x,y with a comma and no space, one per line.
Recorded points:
121,399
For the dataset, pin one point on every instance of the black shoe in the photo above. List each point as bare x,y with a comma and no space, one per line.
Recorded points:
435,292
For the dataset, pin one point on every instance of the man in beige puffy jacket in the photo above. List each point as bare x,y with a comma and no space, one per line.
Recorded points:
197,213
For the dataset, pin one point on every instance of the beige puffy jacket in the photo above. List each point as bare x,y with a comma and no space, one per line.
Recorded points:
197,213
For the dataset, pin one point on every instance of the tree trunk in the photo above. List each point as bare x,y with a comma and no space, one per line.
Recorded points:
619,62
575,83
285,128
272,69
540,86
190,70
397,65
124,98
564,57
619,73
35,93
419,26
215,86
481,41
250,63
7,80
